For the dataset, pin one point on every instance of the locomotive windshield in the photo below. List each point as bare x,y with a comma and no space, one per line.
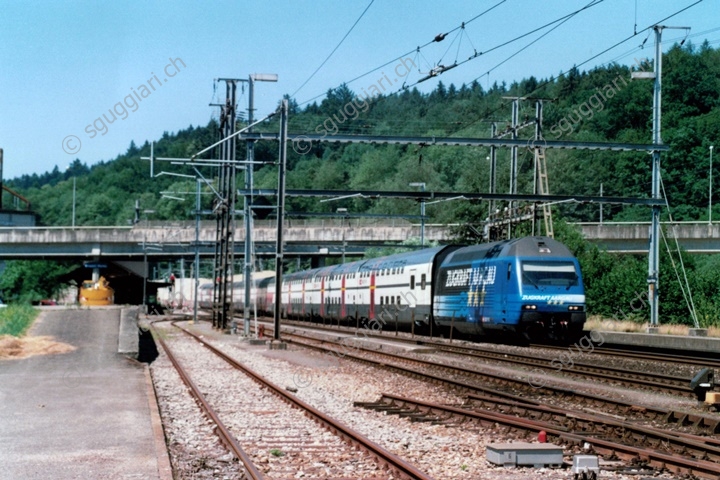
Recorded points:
560,274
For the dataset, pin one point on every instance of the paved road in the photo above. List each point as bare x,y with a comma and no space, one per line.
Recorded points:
78,415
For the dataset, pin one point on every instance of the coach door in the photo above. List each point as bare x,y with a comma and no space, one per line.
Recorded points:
412,298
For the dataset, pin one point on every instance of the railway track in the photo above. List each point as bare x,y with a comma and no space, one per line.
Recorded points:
602,436
251,471
303,440
632,378
647,356
627,433
474,381
604,351
651,381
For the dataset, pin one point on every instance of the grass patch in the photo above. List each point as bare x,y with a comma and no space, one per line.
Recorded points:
16,319
605,325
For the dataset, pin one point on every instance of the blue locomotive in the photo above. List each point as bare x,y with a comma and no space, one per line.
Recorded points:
532,286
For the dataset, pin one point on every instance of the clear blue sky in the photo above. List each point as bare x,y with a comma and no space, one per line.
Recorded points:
65,64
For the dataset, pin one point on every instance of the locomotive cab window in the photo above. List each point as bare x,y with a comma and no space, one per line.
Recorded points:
558,274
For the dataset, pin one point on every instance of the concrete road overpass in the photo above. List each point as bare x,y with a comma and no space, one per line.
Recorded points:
633,237
178,239
168,240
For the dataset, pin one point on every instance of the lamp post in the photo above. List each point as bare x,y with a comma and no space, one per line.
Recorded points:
422,211
73,195
710,192
75,179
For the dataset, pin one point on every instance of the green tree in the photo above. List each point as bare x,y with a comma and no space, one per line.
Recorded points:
33,280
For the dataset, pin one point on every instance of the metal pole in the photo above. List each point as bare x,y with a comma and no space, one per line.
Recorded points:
145,275
73,209
344,242
513,149
422,218
513,161
654,256
710,192
197,248
536,163
601,205
493,168
280,215
247,272
422,211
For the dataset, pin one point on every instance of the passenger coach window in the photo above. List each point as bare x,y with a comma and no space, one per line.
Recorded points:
412,282
422,282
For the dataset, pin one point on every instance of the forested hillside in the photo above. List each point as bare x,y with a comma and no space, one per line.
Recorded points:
598,105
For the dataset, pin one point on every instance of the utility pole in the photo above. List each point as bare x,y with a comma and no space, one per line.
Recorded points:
422,211
247,273
225,212
280,218
541,175
73,208
513,158
710,192
536,164
654,250
197,248
493,169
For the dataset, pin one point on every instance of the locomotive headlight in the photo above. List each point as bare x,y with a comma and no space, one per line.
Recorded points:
529,307
575,308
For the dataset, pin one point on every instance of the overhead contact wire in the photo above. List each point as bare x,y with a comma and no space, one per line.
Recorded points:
417,49
335,49
561,74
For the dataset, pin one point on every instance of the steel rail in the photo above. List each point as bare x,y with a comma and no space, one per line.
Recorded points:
668,383
385,457
709,425
701,448
632,378
674,463
647,356
222,431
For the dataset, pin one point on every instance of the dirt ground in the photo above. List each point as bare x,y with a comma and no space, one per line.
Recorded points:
29,346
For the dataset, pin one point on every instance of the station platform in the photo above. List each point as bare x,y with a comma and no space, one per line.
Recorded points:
661,341
88,413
